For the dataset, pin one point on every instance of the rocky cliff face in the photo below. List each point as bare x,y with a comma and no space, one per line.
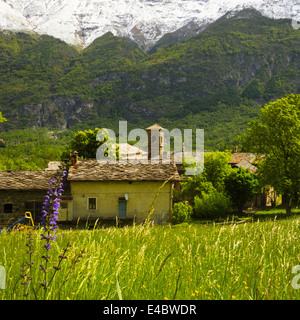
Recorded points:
80,22
59,112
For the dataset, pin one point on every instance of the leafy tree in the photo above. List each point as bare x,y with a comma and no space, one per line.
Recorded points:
194,186
241,185
216,168
276,135
86,143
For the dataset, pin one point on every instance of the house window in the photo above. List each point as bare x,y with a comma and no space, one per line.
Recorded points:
29,206
64,205
35,208
92,203
8,208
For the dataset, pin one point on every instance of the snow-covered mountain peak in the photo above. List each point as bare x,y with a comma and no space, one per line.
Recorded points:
145,21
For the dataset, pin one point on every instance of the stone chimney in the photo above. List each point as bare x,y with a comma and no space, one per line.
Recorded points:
235,149
155,135
74,158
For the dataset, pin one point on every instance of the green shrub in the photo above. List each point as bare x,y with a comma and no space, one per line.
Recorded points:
241,186
182,212
212,205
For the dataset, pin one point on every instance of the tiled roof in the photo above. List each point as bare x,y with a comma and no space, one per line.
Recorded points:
25,180
246,165
155,127
244,160
237,157
91,170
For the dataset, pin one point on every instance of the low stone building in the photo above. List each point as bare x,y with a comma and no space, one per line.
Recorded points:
92,191
22,191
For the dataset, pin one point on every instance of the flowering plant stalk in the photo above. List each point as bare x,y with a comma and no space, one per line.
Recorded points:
49,220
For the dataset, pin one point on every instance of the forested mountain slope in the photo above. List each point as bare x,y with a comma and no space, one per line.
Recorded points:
216,80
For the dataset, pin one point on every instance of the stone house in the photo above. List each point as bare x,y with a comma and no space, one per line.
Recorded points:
22,191
123,191
92,191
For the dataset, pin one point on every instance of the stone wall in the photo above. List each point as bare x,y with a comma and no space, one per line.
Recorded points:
18,199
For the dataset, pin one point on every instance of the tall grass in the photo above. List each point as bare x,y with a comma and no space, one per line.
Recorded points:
249,261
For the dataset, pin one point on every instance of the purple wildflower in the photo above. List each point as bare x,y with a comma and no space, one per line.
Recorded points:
51,237
56,206
50,213
47,246
51,205
42,268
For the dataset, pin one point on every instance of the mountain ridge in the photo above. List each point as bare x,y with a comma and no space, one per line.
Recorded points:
216,80
144,21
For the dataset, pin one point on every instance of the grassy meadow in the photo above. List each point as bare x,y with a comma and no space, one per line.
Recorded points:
188,261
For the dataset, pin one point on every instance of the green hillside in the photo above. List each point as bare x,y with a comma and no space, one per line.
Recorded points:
30,66
217,80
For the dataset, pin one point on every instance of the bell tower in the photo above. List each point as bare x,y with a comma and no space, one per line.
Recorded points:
155,135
